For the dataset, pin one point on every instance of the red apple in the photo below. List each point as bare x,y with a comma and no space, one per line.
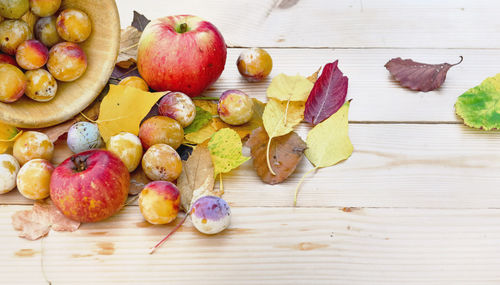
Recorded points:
181,53
90,186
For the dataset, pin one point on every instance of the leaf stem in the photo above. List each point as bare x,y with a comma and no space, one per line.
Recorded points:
461,59
300,183
267,157
221,186
170,233
129,48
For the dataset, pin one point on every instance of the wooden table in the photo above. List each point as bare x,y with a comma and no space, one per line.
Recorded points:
418,201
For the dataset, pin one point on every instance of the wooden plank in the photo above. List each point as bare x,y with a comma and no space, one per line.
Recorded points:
269,246
344,23
393,165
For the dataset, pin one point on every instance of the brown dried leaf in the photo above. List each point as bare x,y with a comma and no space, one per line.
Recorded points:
140,21
197,177
418,76
36,223
314,77
127,56
138,180
285,154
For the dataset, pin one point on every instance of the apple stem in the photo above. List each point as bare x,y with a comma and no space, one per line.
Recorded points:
183,28
170,233
79,162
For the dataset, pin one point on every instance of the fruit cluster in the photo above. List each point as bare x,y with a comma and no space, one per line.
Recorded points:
28,29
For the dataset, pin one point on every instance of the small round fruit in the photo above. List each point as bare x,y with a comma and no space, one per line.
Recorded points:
12,34
159,202
128,148
9,167
73,25
179,107
135,81
210,215
67,61
161,162
235,107
32,54
33,179
83,136
254,64
160,129
4,58
44,8
12,83
46,32
42,86
31,145
13,9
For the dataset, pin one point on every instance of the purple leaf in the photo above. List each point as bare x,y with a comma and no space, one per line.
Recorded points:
418,76
140,21
327,95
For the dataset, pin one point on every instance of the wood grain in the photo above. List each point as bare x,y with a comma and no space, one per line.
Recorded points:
101,49
341,23
269,246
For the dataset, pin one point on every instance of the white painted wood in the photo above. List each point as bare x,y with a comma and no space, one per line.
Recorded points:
339,23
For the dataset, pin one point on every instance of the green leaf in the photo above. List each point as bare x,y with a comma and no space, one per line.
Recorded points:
202,119
225,148
479,107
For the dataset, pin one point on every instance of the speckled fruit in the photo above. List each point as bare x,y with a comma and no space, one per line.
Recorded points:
73,25
254,64
31,145
44,8
9,167
83,136
12,83
33,179
4,58
46,32
128,148
13,9
159,202
235,107
179,107
210,215
12,34
32,54
135,81
42,86
160,129
161,162
67,61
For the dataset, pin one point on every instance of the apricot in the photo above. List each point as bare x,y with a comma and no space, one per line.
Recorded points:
160,129
12,83
161,162
254,64
73,25
67,61
4,58
135,81
128,148
46,32
9,167
42,86
179,107
159,202
44,8
12,34
33,179
31,145
13,9
32,54
235,107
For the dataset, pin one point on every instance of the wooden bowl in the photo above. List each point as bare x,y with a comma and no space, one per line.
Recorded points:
72,97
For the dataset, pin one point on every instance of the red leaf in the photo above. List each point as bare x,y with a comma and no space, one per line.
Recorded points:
327,95
418,76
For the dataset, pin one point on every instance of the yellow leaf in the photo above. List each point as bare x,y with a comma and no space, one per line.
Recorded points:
289,88
123,109
8,135
225,148
209,106
278,120
201,135
328,142
245,129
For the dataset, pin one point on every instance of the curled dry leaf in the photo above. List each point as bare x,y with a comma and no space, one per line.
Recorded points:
419,76
327,96
197,177
285,153
129,41
140,21
36,223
